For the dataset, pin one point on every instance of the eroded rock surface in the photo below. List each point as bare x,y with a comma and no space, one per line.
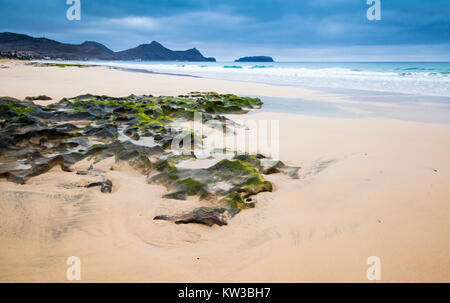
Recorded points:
203,215
105,186
137,130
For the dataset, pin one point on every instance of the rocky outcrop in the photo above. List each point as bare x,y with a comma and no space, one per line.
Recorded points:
38,98
137,130
255,59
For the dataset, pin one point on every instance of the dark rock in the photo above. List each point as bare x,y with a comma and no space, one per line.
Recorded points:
255,59
71,116
270,166
67,127
40,97
231,182
132,132
106,186
137,156
22,175
203,215
108,132
33,140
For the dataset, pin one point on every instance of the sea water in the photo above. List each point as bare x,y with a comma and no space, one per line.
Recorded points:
422,78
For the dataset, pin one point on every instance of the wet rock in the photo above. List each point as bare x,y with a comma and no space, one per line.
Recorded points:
40,97
85,172
234,203
106,186
66,127
22,173
203,215
108,132
270,166
72,158
137,156
36,136
71,116
243,176
33,139
233,180
132,132
14,110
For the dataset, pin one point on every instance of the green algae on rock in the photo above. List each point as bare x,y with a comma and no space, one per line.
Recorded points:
62,65
138,130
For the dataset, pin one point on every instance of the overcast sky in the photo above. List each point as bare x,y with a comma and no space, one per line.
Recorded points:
288,30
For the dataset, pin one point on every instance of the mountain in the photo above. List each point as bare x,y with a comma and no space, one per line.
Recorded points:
40,48
255,59
43,48
155,51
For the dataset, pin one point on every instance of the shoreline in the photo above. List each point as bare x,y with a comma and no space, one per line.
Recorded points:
369,186
122,85
169,68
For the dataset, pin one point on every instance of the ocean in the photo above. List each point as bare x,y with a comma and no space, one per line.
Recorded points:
418,78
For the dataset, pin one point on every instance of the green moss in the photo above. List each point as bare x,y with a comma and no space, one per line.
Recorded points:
232,168
63,65
193,135
168,164
242,101
79,110
235,201
192,187
147,120
256,186
87,103
19,110
22,110
105,102
242,173
249,160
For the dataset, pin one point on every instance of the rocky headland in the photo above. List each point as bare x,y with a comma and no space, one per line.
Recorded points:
255,59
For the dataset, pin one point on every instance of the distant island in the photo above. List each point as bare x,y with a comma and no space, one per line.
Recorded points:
26,47
255,59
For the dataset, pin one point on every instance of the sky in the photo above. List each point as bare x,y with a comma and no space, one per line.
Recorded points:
288,30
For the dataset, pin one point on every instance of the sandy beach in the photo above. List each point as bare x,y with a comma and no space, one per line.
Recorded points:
367,187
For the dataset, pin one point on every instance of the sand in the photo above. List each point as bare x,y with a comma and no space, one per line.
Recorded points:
368,187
